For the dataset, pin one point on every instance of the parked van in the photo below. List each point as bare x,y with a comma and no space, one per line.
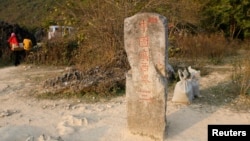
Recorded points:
59,31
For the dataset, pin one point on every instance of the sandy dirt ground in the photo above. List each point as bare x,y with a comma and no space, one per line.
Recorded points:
25,118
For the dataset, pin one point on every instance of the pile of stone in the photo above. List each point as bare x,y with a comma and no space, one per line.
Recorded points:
100,79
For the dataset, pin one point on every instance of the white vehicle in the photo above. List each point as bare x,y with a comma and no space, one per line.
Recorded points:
59,31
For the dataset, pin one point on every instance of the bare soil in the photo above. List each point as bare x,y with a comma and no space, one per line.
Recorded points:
23,116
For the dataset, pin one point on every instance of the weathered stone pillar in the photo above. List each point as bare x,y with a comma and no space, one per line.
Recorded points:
145,36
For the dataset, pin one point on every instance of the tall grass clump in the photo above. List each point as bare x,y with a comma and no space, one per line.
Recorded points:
241,75
195,48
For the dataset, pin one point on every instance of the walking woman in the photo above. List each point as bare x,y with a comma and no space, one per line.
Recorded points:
14,43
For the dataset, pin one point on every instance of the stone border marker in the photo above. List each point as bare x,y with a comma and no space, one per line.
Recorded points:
145,37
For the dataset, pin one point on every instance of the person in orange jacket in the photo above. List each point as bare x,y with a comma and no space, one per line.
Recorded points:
14,43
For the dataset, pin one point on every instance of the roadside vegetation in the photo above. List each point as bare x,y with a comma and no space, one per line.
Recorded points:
201,32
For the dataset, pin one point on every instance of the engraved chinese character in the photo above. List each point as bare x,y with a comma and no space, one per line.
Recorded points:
143,41
144,94
144,78
144,55
152,20
144,67
143,25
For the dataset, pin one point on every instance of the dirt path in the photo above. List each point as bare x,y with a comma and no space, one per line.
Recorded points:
23,117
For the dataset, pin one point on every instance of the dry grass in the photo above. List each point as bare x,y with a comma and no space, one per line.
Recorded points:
54,52
241,74
213,48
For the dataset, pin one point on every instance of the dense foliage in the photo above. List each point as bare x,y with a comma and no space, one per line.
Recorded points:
230,16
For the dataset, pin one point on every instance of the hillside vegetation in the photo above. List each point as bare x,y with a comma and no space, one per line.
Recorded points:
202,32
26,12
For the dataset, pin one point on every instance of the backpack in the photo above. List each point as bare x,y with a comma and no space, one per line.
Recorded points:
27,44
